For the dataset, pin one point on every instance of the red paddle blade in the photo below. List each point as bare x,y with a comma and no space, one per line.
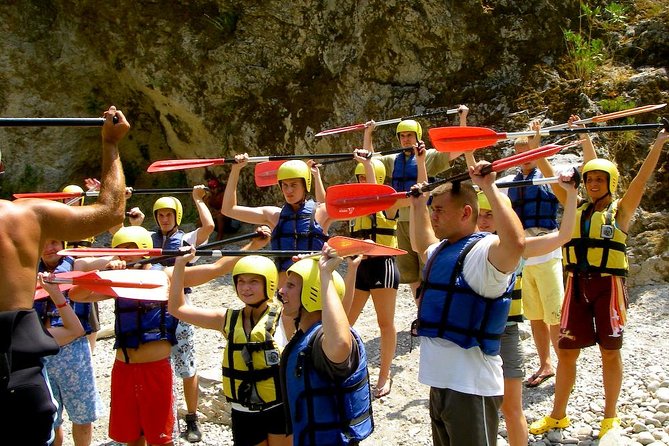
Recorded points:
461,139
153,294
265,173
50,195
347,246
169,165
125,278
102,252
345,201
348,128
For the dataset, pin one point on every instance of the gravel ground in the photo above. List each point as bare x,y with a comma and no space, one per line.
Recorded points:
402,417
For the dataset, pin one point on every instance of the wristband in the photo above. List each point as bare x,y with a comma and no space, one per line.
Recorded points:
61,305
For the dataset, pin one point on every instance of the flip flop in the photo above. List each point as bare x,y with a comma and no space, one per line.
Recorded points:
384,391
536,380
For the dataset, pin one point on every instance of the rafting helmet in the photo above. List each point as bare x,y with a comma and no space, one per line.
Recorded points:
603,165
409,125
379,170
133,234
74,189
169,203
485,204
311,283
261,266
295,169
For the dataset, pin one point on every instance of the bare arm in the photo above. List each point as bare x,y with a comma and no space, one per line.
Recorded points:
367,142
337,338
319,188
262,215
505,254
199,274
71,328
540,245
588,148
463,111
61,222
420,227
206,220
351,271
631,199
179,308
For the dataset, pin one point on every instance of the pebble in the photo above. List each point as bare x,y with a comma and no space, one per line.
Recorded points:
662,394
645,438
663,407
639,427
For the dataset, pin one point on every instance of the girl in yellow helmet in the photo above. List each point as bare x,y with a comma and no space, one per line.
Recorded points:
597,264
255,338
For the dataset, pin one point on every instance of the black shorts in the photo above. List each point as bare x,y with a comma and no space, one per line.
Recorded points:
251,428
377,272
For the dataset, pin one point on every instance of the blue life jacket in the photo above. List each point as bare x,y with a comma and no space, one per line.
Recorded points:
297,230
405,172
141,321
536,206
172,242
323,412
47,311
450,309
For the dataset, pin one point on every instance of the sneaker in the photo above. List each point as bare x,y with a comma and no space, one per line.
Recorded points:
547,423
192,433
607,425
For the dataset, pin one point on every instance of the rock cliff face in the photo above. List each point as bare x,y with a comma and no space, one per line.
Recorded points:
214,78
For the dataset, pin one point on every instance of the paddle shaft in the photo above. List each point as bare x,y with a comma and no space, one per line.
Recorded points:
578,130
610,116
53,122
238,238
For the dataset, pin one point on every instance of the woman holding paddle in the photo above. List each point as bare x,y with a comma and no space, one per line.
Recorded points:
597,264
402,170
301,223
377,276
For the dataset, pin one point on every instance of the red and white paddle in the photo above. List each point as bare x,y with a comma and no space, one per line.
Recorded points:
611,116
355,127
459,139
345,245
346,201
95,193
129,283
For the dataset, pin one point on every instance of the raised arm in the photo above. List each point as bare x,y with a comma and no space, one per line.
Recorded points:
213,319
352,264
337,338
631,199
420,227
319,188
206,220
61,222
262,215
203,273
367,142
543,244
505,254
71,328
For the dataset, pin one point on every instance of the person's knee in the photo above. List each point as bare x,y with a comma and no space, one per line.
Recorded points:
611,356
569,355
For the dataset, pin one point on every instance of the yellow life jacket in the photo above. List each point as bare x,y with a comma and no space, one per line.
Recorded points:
597,244
376,227
516,309
251,364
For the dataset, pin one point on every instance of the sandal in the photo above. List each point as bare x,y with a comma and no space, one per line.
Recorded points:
608,424
380,392
547,423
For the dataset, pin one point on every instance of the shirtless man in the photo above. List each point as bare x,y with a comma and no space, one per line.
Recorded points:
26,412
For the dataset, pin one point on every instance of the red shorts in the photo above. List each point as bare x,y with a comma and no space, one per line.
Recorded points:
141,402
594,311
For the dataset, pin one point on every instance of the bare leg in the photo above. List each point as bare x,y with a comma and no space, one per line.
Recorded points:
82,434
564,381
512,408
542,341
384,303
414,291
191,393
58,439
92,339
279,440
612,375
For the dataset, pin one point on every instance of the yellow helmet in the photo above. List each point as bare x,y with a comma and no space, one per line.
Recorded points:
379,170
295,169
311,284
409,125
485,204
169,203
603,165
133,234
261,266
74,189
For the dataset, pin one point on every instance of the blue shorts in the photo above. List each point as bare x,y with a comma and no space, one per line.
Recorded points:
183,353
73,383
